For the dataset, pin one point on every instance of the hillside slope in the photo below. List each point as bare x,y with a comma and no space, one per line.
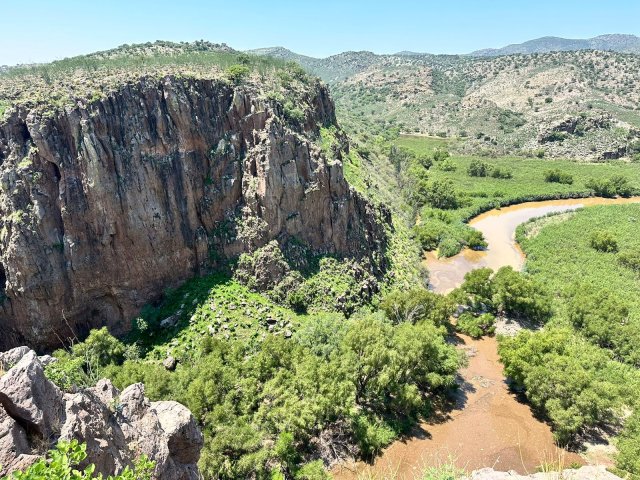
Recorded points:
578,104
613,42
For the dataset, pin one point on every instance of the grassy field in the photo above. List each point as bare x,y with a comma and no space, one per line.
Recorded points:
560,254
475,194
527,182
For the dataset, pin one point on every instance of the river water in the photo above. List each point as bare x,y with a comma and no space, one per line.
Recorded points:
488,426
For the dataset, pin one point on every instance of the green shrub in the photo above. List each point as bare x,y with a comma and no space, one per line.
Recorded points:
237,73
417,305
62,462
557,176
476,325
603,241
518,295
628,444
574,383
449,247
474,239
630,259
441,194
616,185
498,172
478,168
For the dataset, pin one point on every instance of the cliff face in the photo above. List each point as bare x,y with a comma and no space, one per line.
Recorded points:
108,204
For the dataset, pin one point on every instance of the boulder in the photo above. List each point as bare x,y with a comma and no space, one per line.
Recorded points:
116,427
30,398
170,363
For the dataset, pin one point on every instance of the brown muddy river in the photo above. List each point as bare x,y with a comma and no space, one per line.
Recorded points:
488,426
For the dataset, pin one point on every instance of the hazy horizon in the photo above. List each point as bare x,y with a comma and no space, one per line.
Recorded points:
69,27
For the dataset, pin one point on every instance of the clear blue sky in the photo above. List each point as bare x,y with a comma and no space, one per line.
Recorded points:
42,30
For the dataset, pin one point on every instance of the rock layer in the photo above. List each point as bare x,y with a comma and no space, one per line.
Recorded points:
106,205
117,427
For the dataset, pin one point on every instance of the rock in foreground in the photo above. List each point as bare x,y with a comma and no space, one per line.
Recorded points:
582,473
117,426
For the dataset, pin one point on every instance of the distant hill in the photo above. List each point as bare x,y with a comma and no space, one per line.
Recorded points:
615,43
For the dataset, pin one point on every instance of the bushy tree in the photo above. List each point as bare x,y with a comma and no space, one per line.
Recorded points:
478,168
441,194
517,294
417,305
476,325
603,317
573,382
557,176
630,259
603,241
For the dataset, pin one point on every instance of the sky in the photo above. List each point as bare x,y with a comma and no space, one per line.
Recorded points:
45,30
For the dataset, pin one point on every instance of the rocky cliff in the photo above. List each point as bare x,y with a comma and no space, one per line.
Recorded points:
118,427
107,203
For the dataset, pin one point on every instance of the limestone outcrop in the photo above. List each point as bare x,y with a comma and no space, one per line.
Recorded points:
117,426
107,204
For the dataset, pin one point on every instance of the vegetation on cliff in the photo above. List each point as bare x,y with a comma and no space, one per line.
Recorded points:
275,390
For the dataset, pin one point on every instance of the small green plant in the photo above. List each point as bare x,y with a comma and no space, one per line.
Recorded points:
62,462
603,241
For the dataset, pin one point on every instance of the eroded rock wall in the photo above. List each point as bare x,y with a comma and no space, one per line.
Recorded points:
105,206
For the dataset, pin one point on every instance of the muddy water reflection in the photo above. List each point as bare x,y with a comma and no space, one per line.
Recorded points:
498,228
488,426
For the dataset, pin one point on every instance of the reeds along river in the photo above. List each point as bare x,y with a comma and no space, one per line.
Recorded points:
488,426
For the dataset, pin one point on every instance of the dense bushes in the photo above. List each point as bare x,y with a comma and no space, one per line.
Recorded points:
603,317
630,259
575,383
603,241
260,404
478,168
506,292
558,176
616,185
417,305
476,325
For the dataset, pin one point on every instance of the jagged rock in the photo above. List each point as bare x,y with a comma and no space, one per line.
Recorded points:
148,186
582,473
9,358
47,360
15,451
32,400
180,428
117,427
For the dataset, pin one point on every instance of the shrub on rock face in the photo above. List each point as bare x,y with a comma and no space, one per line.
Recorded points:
603,241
